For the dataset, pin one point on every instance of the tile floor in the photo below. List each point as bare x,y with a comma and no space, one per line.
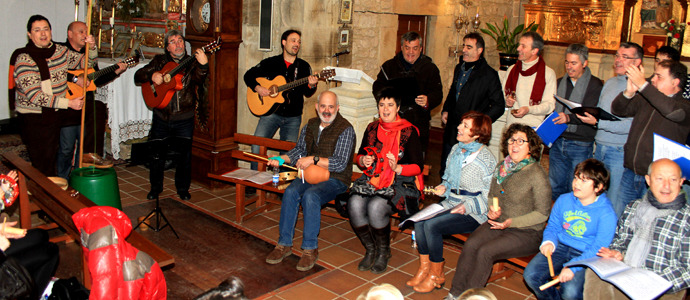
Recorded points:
339,249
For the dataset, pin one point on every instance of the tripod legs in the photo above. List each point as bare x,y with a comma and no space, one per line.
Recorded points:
157,214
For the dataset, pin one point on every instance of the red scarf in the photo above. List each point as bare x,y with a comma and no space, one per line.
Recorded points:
539,81
389,135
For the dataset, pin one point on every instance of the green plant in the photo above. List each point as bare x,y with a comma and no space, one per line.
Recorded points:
506,39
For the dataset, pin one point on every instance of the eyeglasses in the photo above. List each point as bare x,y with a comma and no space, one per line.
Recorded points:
625,57
519,142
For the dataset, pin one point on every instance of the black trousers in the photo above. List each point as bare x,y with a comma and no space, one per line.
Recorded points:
38,255
171,135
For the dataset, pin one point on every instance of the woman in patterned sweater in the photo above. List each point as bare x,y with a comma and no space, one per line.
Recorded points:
465,186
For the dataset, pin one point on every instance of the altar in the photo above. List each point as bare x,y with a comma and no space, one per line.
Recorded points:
128,115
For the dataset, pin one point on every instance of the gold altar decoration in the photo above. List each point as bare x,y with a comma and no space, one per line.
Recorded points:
590,22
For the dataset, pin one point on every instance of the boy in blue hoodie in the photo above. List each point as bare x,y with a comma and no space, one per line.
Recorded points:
581,222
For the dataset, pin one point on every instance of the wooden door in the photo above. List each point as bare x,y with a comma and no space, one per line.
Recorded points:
408,23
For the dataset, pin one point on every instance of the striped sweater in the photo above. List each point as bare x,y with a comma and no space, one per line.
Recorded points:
31,93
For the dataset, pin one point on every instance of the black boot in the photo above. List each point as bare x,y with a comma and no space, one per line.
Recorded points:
367,239
382,237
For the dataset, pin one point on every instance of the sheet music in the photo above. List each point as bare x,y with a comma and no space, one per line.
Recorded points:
567,102
425,214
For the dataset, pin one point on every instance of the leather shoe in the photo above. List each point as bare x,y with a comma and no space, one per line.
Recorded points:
278,254
95,160
308,259
152,195
184,195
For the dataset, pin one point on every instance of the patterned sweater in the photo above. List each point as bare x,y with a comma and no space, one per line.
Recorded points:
31,93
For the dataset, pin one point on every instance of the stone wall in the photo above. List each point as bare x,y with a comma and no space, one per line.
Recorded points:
373,37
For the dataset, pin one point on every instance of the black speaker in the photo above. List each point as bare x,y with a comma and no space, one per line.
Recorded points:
265,21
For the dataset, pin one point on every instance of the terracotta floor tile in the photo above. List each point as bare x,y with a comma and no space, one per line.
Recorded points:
397,279
352,295
400,258
503,293
338,282
335,235
366,275
514,283
213,205
308,288
259,223
338,256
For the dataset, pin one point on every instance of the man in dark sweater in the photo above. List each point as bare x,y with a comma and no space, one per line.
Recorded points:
286,116
577,142
476,86
327,142
69,133
656,108
416,76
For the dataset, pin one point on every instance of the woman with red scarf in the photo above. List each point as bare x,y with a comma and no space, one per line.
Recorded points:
391,154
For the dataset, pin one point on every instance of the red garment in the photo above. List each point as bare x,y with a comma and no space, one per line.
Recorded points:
539,81
118,270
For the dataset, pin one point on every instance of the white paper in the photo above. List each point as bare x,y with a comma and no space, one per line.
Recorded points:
425,214
350,75
567,102
665,148
636,283
257,177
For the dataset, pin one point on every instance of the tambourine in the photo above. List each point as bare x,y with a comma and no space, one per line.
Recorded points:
9,189
377,166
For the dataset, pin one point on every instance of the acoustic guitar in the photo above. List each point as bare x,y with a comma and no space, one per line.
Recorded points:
261,106
159,95
75,91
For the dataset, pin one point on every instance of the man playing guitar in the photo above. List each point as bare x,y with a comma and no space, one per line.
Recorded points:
71,119
288,115
173,125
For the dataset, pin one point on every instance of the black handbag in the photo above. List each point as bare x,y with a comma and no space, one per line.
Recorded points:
15,281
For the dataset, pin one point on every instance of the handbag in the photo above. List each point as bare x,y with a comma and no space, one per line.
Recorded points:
15,280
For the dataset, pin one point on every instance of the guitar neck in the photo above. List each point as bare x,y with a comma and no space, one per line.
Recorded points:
183,64
294,84
101,72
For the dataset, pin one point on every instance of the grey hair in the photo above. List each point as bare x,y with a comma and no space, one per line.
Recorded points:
580,50
170,34
537,40
411,36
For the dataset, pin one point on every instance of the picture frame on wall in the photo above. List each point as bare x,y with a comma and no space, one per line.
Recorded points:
345,37
651,43
345,15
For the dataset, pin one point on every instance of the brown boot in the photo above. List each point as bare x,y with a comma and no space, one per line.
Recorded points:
435,280
277,255
308,260
423,272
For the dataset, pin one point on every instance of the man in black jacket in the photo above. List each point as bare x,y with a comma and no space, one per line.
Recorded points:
173,126
416,76
286,116
577,142
476,86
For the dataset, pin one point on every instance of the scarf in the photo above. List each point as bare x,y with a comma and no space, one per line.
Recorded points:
539,82
647,211
508,167
389,135
577,95
456,161
40,56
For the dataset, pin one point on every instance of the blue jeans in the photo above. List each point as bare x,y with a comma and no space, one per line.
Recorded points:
612,157
537,273
175,135
633,187
311,197
564,155
429,233
268,125
69,136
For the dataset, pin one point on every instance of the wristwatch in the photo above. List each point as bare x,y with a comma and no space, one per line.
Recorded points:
75,79
316,160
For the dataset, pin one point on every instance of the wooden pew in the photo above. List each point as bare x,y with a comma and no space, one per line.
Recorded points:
60,206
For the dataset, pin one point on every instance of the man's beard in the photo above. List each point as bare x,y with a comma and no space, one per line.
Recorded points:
326,117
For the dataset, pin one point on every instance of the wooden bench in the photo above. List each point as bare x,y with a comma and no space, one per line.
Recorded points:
60,206
502,268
